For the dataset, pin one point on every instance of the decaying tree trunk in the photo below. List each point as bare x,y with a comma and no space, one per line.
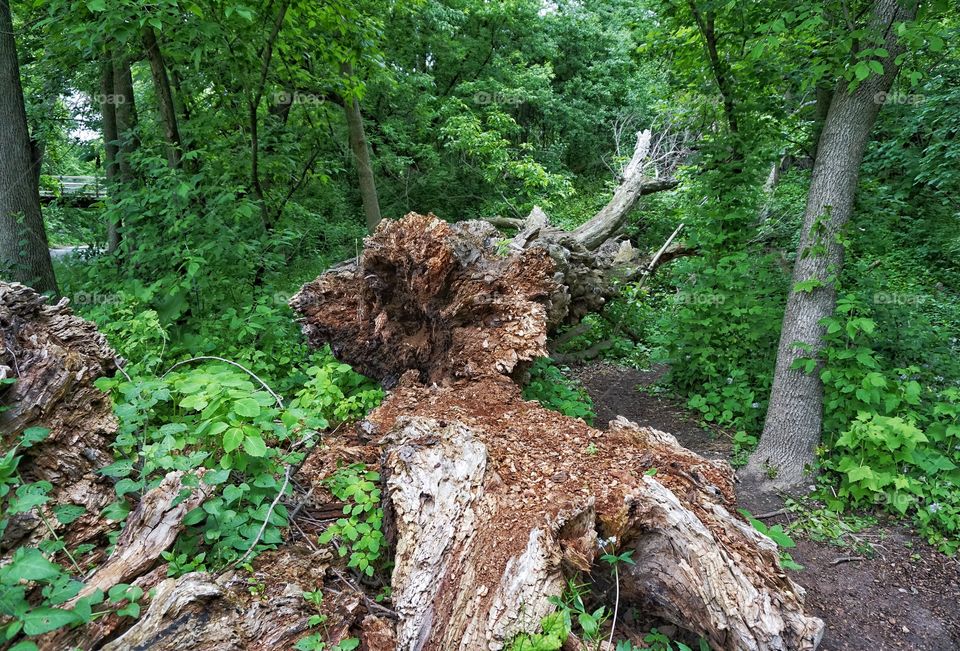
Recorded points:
495,499
54,358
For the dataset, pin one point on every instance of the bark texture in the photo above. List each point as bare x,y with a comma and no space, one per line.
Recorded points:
24,250
55,357
164,92
108,114
496,500
361,156
794,417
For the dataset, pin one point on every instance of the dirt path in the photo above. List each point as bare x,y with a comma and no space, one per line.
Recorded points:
906,596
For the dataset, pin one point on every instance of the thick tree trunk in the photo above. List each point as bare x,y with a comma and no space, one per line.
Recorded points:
793,426
168,110
361,156
496,500
24,250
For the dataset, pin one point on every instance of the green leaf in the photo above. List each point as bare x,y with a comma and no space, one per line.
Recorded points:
255,446
30,565
33,435
232,439
68,513
43,620
246,407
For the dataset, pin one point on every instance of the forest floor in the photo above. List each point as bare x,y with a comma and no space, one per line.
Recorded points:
877,588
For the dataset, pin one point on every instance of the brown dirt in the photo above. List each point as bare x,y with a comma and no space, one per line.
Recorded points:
907,596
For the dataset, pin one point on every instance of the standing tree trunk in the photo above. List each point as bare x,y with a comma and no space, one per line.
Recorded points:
795,414
24,250
168,110
126,111
361,156
108,113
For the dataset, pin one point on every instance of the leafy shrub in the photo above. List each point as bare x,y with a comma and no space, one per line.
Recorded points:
360,531
552,389
217,417
720,337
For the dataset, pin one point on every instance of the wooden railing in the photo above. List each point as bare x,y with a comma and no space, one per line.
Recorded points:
83,188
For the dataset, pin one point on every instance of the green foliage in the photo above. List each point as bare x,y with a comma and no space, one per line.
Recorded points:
360,531
777,534
552,389
33,587
216,417
890,440
553,635
720,336
317,641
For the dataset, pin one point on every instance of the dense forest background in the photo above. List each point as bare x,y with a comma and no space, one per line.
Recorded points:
245,147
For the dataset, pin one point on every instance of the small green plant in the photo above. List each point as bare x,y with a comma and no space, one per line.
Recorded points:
359,531
843,530
657,641
317,641
553,635
777,534
552,389
571,606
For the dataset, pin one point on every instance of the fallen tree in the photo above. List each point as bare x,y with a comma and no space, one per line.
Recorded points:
496,500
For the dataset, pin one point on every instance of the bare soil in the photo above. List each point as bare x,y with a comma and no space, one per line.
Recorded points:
905,596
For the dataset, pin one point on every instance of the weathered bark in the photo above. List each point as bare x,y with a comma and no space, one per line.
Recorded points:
361,156
794,417
608,223
55,358
161,86
24,249
496,500
125,106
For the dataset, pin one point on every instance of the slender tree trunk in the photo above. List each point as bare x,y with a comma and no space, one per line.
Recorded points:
721,73
126,111
361,155
795,414
108,114
24,250
168,111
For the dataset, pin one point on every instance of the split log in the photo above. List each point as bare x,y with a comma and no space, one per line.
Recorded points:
495,499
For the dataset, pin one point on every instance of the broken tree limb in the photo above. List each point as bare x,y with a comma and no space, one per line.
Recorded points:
150,530
496,501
